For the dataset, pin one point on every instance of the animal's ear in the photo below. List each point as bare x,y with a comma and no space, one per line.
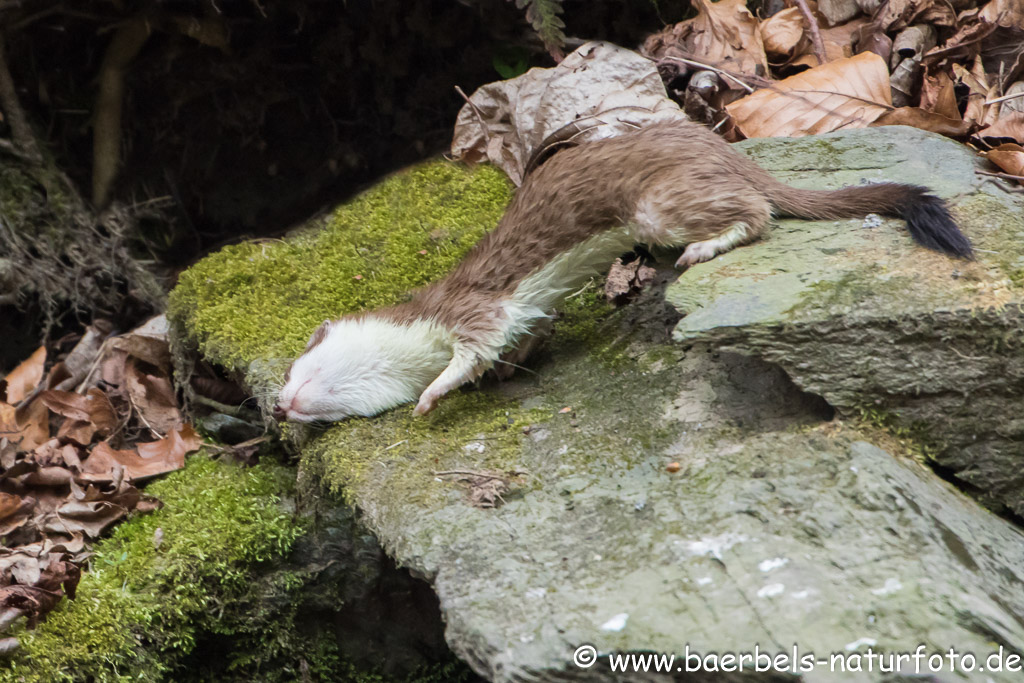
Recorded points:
319,335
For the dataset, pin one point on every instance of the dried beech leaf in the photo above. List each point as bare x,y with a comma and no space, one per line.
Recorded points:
925,120
896,15
152,350
87,415
625,280
724,34
846,93
24,378
151,459
599,88
782,32
1009,157
1005,13
1007,127
30,427
838,42
91,519
14,512
154,397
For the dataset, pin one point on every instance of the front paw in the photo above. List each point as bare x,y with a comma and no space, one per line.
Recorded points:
696,252
426,403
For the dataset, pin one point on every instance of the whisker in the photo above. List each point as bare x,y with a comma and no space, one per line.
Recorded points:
518,367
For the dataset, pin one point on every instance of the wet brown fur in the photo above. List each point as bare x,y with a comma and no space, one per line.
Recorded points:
698,183
670,184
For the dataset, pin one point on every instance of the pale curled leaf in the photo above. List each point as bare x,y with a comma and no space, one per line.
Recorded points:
600,89
1007,127
1009,157
724,34
26,376
846,93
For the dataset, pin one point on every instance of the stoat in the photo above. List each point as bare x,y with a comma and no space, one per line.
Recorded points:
670,184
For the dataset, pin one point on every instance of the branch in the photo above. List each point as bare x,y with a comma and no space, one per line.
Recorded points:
106,138
21,133
814,30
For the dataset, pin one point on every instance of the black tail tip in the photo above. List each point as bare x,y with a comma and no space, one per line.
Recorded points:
931,226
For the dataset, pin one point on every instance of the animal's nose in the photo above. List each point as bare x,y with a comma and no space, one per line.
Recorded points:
279,413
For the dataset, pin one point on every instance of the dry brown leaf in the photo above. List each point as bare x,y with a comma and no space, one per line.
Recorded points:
847,93
1007,127
153,396
724,34
1009,157
838,41
925,120
979,91
90,518
153,350
70,372
938,95
962,44
782,32
896,15
599,90
626,280
87,415
157,457
14,512
27,426
24,378
1005,13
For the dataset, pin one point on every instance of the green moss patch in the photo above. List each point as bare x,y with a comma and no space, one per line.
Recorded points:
161,580
263,299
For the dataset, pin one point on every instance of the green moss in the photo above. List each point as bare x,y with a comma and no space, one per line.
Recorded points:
1003,239
854,290
142,604
405,451
263,299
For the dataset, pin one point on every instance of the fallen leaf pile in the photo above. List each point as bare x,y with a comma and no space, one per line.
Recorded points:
75,438
954,67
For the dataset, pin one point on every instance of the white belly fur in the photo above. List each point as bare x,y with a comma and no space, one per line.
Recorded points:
544,289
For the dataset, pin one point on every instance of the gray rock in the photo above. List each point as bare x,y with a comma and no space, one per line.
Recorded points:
670,495
778,529
857,316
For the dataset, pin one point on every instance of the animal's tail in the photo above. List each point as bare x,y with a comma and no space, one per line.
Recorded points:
927,216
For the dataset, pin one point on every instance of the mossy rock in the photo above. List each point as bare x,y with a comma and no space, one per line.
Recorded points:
158,582
262,300
771,513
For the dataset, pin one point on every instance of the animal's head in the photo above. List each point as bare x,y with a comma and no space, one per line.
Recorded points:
362,366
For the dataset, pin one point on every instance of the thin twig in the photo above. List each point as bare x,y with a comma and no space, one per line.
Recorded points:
814,30
21,133
1007,176
476,112
721,72
483,475
1005,97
